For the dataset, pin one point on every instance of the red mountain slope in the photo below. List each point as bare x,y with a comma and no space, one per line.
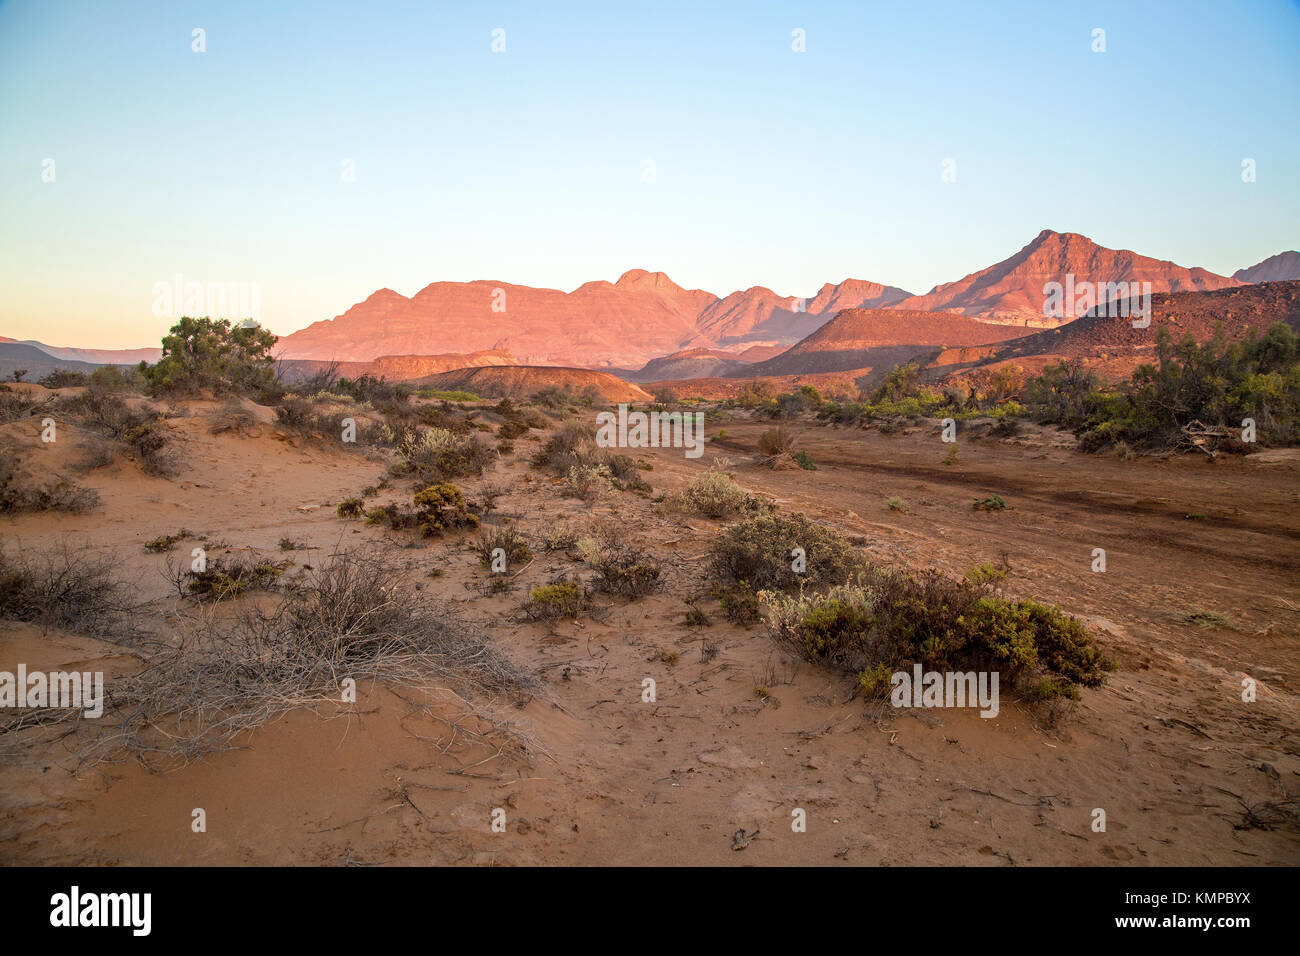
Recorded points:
1011,291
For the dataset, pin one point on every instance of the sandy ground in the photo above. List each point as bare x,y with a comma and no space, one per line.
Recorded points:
1168,749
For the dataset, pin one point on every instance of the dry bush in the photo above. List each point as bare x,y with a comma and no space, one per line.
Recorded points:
573,444
625,569
233,417
588,482
20,492
777,442
93,453
715,494
572,453
102,410
560,537
349,619
16,405
437,454
67,589
226,577
508,540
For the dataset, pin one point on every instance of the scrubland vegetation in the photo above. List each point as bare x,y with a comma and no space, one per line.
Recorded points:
1211,387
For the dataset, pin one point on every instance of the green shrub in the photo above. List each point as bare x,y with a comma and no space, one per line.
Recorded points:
891,620
1215,383
351,508
211,354
449,395
739,603
560,598
760,551
442,507
63,378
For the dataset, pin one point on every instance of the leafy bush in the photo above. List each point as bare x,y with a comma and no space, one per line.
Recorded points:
437,454
1216,384
211,354
553,397
739,602
560,598
351,508
890,620
442,507
63,378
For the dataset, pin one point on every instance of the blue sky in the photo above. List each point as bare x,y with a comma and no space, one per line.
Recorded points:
771,167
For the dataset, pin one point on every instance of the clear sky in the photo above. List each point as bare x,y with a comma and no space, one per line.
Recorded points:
771,167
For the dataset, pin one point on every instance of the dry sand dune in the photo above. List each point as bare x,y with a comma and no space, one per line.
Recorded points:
1166,747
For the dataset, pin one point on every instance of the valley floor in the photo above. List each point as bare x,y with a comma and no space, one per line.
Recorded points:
1167,748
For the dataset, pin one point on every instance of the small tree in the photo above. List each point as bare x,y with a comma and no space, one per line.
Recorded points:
212,354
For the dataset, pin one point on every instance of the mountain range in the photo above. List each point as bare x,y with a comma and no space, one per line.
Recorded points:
647,328
645,316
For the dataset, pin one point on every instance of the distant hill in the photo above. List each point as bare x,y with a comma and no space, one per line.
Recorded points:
522,381
397,368
870,338
15,355
1011,291
623,324
93,356
760,314
1278,268
1115,348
